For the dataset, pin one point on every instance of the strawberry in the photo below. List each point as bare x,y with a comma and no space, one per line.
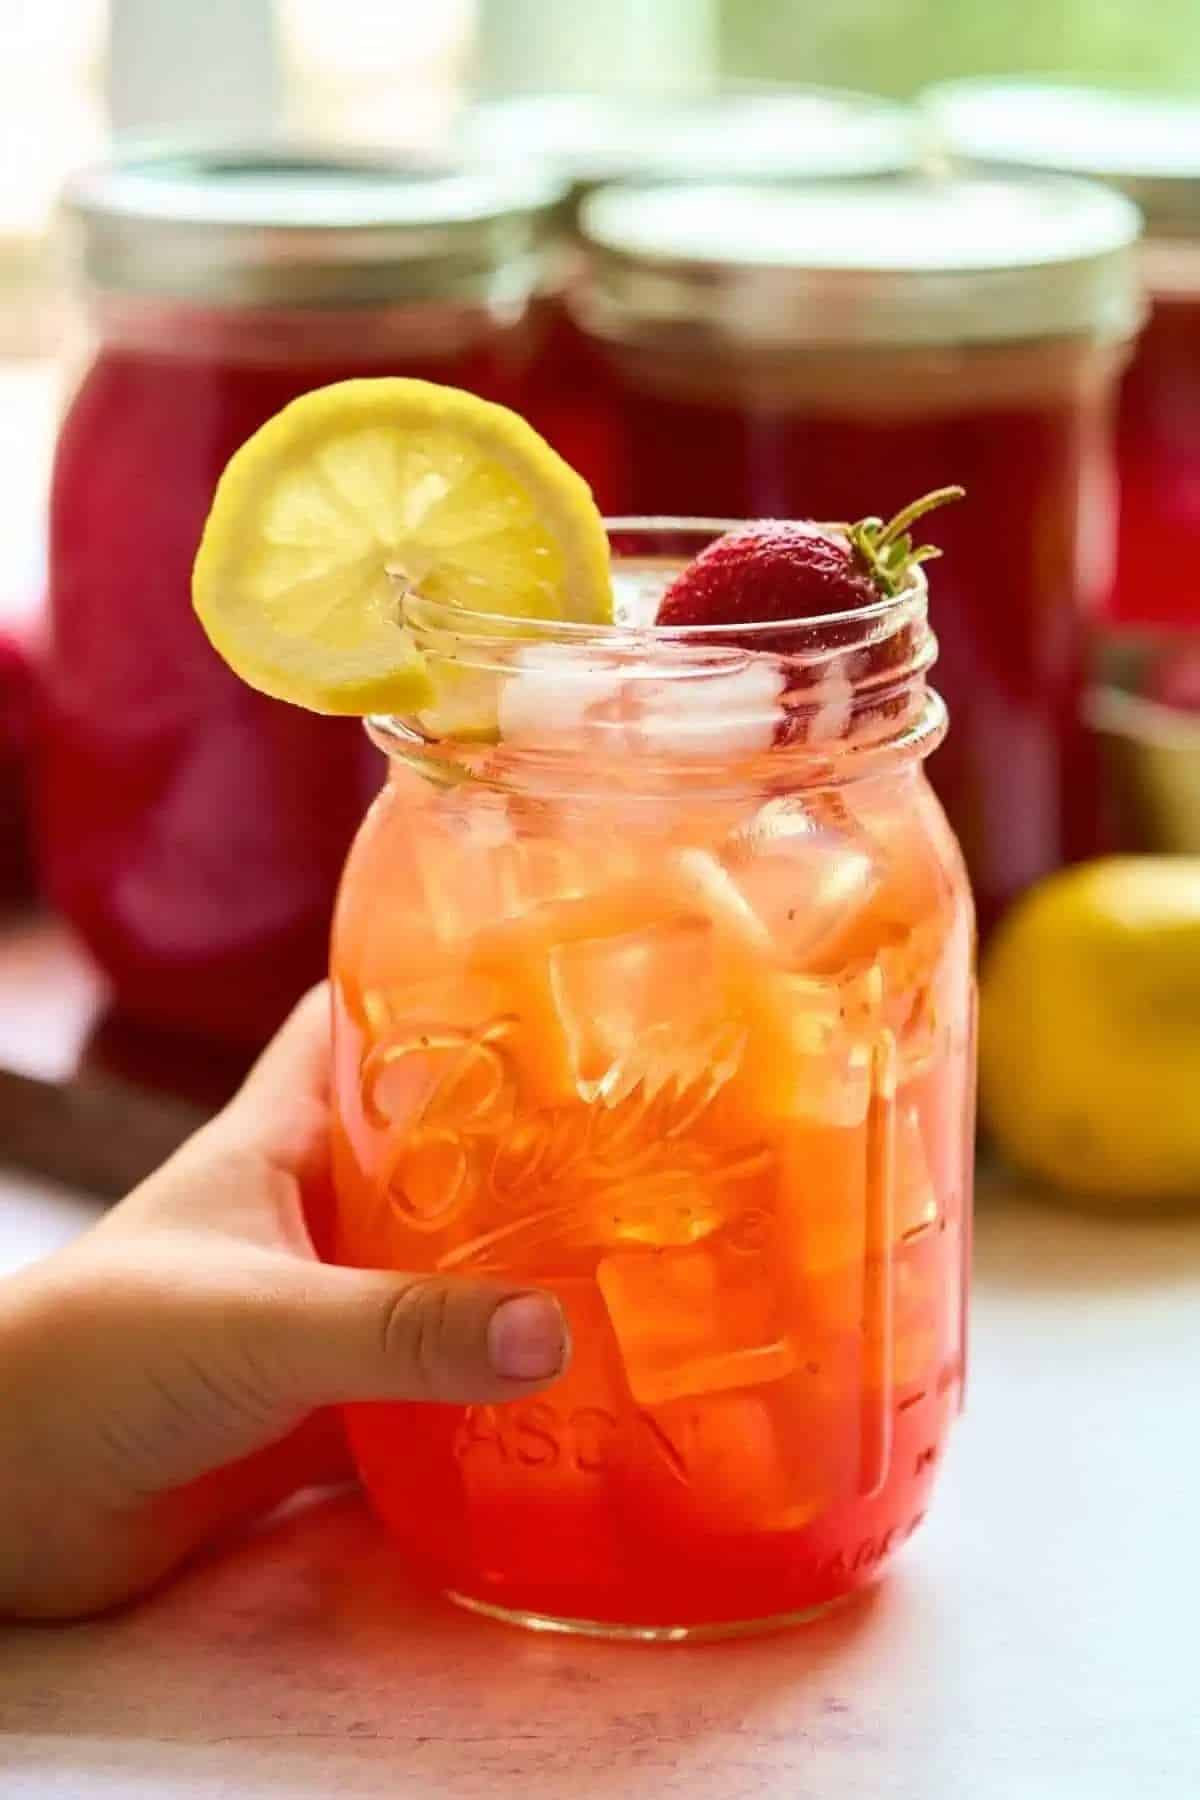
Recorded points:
784,571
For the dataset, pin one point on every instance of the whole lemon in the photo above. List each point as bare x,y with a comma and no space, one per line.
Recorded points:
1089,1031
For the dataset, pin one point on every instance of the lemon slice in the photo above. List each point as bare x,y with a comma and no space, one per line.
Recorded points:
357,492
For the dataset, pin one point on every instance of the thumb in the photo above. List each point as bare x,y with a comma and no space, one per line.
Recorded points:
352,1334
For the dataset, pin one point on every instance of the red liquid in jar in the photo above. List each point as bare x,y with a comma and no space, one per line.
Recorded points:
17,709
192,831
1158,449
569,398
1025,559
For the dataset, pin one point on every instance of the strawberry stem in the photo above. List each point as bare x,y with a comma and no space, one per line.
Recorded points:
917,509
887,549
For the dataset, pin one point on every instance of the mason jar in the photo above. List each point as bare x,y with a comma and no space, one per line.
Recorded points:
658,994
831,352
756,131
192,830
1148,147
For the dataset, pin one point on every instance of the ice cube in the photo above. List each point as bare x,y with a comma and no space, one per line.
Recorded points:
771,1458
629,704
717,711
805,884
460,873
639,1007
523,951
695,1321
705,886
551,692
807,1054
709,1463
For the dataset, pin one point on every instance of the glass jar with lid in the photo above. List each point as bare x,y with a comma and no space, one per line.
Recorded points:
698,132
836,351
193,831
1147,146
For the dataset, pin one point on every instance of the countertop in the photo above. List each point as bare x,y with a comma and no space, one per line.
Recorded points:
1036,1639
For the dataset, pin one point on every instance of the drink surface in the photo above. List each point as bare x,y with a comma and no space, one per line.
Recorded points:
699,1061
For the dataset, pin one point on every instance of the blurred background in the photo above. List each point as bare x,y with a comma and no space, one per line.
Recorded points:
390,72
204,875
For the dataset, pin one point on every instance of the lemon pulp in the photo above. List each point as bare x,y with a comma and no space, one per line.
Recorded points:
358,492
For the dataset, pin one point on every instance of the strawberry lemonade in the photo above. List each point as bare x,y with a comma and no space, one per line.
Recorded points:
652,987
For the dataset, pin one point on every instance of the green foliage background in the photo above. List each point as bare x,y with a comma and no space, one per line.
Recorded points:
896,46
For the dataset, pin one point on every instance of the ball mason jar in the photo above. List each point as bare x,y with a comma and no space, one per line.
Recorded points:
193,831
658,994
1146,146
756,131
836,351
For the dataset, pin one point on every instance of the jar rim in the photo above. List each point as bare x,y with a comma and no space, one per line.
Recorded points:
697,131
446,616
1143,142
689,702
905,262
295,224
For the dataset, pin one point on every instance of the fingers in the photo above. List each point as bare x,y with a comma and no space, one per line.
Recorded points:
282,1107
315,1454
351,1334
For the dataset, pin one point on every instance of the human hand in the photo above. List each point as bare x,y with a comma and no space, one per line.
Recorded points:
162,1378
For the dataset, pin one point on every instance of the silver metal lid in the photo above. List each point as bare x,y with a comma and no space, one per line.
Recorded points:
297,228
1147,145
914,262
751,132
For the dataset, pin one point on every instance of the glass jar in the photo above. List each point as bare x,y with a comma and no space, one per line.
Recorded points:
833,353
193,831
1147,146
18,704
753,131
663,1000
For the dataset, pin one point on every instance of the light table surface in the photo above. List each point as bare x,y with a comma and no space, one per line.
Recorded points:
1035,1641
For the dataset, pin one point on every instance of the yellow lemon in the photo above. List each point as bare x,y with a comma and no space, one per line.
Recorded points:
1090,1031
358,492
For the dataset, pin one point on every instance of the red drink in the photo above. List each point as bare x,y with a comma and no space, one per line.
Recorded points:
1158,446
193,830
1147,146
860,368
18,701
674,1017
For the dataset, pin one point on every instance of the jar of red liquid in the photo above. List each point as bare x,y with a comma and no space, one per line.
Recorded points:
1148,146
755,132
18,701
663,1000
193,831
830,352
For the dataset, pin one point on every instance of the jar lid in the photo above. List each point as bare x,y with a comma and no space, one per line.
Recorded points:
303,228
751,132
1146,144
910,262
